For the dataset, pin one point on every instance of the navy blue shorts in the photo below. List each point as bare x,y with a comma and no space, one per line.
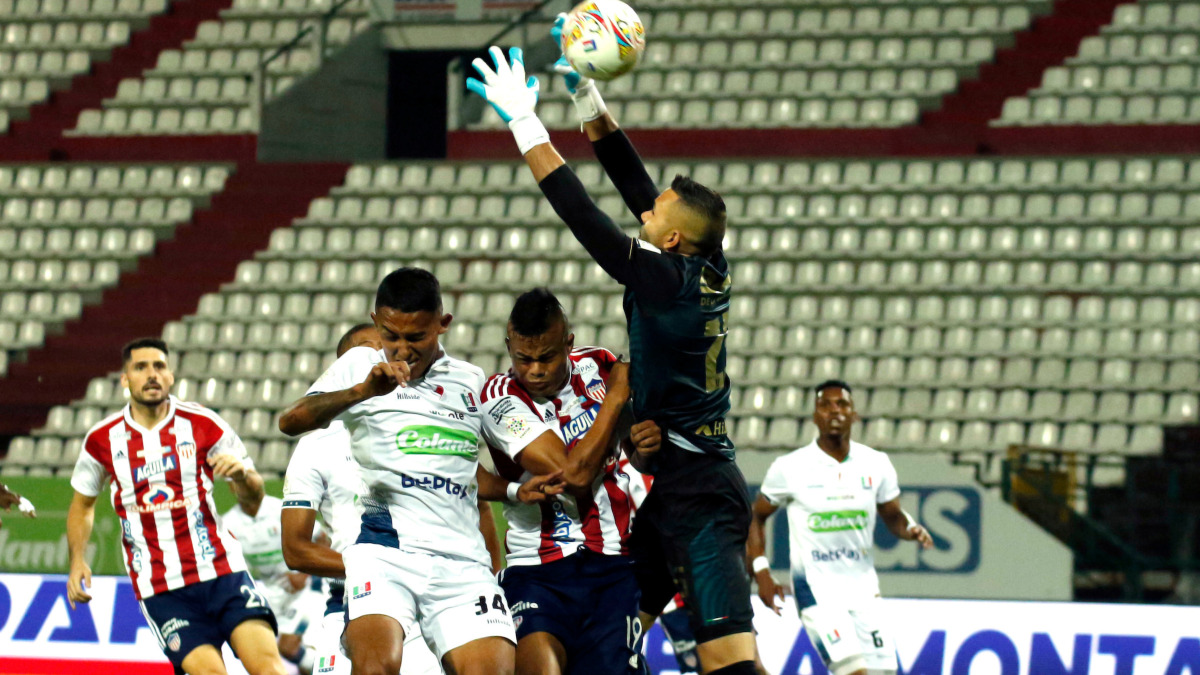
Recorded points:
588,601
204,614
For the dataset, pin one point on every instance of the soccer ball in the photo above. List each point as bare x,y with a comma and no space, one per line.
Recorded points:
603,39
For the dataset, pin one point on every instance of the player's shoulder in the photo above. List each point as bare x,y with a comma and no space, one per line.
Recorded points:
99,430
194,411
501,385
600,356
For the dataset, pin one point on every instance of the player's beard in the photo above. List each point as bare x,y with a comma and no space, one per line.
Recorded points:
141,397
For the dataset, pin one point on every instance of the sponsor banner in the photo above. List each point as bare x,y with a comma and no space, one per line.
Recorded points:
971,637
40,634
39,545
933,637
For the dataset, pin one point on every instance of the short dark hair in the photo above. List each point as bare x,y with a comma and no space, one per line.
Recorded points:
142,343
708,204
410,289
827,384
535,312
343,345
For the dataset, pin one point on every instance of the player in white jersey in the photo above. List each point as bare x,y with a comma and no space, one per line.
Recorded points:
570,579
322,477
161,456
832,489
298,607
414,422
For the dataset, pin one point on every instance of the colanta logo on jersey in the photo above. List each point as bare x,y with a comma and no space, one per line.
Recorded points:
154,468
838,521
432,440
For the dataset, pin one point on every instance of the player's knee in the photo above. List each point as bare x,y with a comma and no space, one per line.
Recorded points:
263,664
739,668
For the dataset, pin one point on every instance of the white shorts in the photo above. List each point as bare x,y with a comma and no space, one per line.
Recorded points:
332,659
850,639
295,613
453,601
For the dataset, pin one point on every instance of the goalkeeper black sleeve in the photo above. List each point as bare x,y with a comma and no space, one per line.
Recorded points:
653,276
626,171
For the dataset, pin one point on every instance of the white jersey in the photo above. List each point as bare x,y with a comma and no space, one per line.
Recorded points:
262,544
322,476
514,419
417,449
162,489
831,509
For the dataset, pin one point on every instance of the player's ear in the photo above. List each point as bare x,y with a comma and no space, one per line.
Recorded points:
124,378
673,241
444,324
570,341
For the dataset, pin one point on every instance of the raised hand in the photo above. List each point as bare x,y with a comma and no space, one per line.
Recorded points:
507,89
571,77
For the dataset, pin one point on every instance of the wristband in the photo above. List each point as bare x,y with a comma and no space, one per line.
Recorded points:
529,132
760,563
588,102
511,492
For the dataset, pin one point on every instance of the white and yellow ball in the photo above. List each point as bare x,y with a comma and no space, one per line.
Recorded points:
603,39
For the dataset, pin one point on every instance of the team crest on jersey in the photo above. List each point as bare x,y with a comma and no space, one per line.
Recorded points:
186,449
833,638
325,665
595,391
867,482
469,401
361,591
158,494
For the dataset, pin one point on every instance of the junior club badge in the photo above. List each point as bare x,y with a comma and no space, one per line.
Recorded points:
595,391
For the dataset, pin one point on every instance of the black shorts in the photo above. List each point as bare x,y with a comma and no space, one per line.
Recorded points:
588,601
690,536
204,614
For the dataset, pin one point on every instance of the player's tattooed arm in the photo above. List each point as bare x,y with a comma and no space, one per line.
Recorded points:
317,411
902,525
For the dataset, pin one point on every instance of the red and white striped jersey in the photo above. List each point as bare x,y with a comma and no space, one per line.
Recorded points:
512,420
162,491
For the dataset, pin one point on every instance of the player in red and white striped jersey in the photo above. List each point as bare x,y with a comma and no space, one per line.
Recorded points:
570,582
161,456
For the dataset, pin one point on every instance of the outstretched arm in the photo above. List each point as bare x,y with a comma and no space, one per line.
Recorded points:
650,274
611,145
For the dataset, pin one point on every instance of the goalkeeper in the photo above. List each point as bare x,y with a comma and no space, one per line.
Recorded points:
691,531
